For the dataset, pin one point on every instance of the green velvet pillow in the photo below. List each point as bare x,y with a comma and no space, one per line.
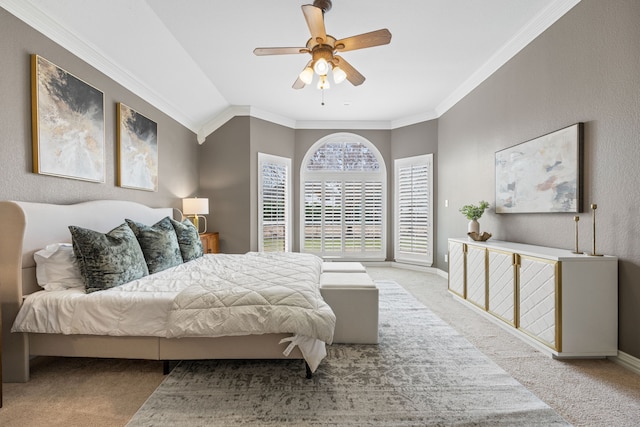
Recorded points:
159,244
188,239
107,260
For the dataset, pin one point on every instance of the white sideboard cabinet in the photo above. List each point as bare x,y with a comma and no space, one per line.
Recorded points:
562,303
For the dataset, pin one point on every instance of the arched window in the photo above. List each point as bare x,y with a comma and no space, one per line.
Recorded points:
343,193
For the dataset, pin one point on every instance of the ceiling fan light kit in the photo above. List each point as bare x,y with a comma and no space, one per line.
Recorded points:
323,83
324,50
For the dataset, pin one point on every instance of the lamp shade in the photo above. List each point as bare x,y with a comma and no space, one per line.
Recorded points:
321,67
195,206
338,75
306,75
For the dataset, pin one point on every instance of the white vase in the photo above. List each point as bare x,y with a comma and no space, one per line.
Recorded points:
474,225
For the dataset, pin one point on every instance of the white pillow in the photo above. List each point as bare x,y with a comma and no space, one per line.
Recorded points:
57,268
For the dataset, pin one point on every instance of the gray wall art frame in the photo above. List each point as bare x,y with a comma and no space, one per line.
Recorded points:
137,150
542,175
68,125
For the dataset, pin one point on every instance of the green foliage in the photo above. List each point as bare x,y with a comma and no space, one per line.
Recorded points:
474,212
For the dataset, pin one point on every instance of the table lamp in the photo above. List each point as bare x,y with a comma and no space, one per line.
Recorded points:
194,207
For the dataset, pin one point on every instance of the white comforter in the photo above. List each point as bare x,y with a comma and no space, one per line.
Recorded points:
215,295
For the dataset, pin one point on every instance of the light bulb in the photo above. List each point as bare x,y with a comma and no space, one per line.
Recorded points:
338,75
321,67
306,75
323,83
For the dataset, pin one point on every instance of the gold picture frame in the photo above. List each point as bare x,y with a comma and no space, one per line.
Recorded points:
68,126
137,148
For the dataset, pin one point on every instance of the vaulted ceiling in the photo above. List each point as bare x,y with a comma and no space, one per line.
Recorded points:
194,59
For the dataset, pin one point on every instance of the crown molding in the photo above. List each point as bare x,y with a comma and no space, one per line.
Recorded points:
526,35
412,120
344,124
238,111
35,18
272,117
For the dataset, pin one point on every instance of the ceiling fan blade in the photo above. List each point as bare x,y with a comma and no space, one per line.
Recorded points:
315,21
262,51
353,75
374,38
298,84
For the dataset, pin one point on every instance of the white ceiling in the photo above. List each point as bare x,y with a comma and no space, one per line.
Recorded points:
194,59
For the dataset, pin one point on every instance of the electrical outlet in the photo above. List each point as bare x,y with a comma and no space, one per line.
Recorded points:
446,203
446,258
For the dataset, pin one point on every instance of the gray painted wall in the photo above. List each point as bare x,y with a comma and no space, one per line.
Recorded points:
415,140
178,173
226,180
229,177
228,171
268,138
585,68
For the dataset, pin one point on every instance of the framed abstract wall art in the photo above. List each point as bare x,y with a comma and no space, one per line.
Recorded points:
137,150
67,124
542,175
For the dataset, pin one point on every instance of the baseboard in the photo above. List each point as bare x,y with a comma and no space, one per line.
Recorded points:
626,360
443,274
377,263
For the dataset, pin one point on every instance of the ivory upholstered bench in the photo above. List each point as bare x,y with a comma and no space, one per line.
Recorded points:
353,297
343,267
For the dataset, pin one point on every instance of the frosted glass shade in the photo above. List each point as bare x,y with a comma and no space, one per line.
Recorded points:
338,75
321,67
306,75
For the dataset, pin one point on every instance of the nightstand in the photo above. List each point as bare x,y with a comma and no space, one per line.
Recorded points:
210,242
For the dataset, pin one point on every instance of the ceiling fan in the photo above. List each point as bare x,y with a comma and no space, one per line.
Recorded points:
324,49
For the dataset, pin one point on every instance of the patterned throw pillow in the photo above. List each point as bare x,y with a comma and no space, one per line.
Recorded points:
107,260
188,239
159,244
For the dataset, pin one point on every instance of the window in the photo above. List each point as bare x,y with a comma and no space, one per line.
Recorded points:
274,203
413,210
343,186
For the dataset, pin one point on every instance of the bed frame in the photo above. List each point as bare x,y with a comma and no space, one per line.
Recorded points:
28,227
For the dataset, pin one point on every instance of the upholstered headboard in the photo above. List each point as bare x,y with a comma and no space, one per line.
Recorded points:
28,227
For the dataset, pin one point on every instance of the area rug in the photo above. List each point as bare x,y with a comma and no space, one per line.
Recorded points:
423,373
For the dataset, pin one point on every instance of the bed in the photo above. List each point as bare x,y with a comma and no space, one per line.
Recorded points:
27,228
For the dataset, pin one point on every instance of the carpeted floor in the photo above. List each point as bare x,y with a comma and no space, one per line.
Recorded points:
586,392
423,372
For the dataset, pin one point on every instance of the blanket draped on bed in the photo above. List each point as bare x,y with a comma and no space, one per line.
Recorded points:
251,294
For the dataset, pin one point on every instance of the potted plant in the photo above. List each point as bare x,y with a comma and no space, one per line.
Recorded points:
473,214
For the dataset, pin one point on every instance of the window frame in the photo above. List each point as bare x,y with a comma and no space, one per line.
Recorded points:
343,176
403,256
264,158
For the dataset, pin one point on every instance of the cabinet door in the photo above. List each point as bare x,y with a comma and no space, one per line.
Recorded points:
456,268
502,285
476,276
538,306
210,243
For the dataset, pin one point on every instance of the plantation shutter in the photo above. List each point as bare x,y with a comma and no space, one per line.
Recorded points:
413,210
343,217
373,216
274,206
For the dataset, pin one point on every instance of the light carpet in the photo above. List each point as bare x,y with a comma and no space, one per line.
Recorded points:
423,372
